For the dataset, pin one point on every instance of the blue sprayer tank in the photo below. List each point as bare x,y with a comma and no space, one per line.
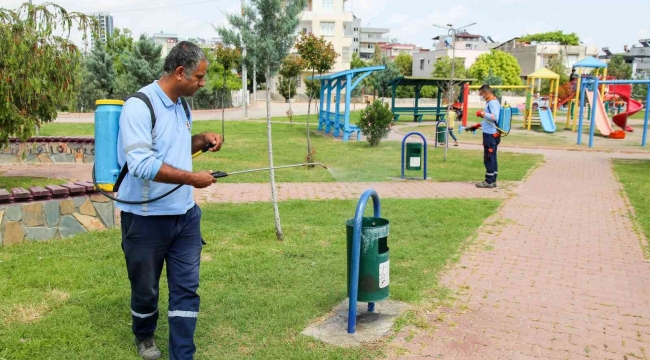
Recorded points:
107,126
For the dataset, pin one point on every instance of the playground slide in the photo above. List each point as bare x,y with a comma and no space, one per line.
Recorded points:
602,121
634,107
546,118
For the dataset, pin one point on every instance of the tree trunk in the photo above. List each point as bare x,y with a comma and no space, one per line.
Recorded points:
223,109
290,111
274,196
254,82
309,159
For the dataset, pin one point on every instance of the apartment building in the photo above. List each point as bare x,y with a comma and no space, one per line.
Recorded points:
329,19
105,28
468,47
167,40
532,57
367,38
637,56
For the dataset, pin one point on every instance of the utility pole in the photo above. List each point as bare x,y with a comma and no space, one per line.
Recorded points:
450,92
243,69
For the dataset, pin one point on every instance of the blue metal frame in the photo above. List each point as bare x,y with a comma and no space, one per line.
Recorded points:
347,79
356,253
424,139
593,84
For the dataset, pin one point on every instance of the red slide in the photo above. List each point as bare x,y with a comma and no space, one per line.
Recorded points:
625,91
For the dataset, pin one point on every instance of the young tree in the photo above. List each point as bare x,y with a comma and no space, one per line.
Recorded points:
273,24
119,43
503,65
38,65
442,68
377,56
618,68
404,63
381,79
291,68
357,62
227,58
318,55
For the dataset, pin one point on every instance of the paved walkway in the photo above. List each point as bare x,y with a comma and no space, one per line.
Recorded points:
558,273
241,193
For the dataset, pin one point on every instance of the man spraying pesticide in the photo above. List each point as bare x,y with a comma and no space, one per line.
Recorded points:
491,136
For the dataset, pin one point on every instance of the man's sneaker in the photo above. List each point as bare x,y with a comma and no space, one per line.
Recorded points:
486,185
147,349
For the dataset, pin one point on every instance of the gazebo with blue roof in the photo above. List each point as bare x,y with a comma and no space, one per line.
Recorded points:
348,80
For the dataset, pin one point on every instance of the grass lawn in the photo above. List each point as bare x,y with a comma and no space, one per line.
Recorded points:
9,182
634,176
69,299
246,147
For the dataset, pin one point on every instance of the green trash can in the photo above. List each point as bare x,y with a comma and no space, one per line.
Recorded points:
413,156
374,274
442,129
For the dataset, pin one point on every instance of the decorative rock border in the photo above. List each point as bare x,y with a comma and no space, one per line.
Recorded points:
53,212
49,149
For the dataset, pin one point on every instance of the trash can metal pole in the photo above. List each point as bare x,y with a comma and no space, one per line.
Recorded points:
356,250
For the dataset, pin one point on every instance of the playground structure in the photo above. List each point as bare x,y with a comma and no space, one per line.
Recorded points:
348,80
589,88
418,111
546,117
596,103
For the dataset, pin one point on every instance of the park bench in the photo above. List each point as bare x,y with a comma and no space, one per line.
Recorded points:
421,111
335,121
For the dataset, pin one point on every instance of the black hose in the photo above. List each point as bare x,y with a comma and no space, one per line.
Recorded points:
131,202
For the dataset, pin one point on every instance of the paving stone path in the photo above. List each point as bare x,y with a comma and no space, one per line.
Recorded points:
241,193
558,273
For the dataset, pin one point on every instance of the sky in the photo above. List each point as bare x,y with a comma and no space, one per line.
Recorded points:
598,22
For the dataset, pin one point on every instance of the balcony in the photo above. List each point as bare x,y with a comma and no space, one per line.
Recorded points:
373,39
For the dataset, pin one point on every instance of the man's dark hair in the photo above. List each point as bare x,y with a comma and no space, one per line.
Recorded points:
486,88
185,54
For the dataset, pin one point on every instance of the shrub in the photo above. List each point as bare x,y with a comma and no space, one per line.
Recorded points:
287,88
375,123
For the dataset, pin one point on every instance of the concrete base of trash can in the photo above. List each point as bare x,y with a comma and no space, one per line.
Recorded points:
371,326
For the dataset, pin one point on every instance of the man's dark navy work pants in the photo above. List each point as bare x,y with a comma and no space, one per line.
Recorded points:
148,243
490,144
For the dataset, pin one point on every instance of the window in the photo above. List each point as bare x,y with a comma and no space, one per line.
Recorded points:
328,5
468,46
346,54
327,28
421,64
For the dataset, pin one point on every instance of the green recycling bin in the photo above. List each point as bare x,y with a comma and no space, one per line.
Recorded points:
374,275
442,129
413,156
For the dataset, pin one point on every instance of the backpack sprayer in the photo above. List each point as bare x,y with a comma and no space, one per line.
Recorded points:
505,120
106,173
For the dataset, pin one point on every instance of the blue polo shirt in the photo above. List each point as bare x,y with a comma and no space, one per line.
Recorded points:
491,118
145,151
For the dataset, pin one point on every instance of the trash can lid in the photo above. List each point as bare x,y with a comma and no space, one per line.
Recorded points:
109,102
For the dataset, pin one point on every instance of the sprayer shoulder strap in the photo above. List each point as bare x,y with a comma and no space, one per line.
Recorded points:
145,99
